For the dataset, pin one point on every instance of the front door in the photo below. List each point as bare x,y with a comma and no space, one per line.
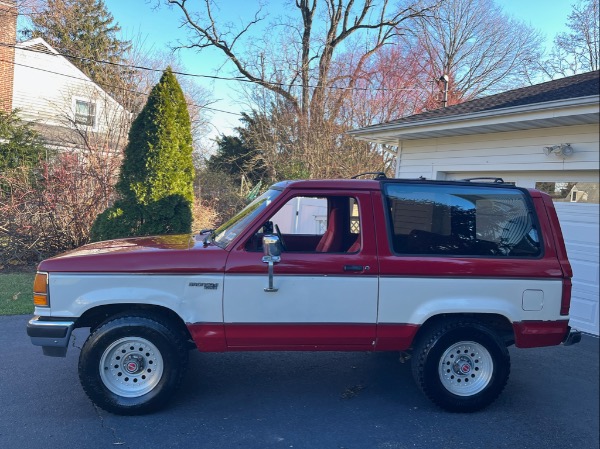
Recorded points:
326,282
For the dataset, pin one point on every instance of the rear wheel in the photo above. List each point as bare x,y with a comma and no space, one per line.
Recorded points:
462,366
131,365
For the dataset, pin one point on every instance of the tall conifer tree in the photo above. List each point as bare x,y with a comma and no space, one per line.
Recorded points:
156,179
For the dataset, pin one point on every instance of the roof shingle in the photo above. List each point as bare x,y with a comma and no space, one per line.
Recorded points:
583,85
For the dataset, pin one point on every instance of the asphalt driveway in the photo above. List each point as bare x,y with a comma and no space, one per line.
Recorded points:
299,400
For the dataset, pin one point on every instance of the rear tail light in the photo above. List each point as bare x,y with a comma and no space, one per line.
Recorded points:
40,290
565,302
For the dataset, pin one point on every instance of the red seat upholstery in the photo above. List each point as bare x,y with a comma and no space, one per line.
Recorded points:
331,242
355,246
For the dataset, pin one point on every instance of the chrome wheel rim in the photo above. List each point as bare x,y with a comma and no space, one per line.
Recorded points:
131,367
466,368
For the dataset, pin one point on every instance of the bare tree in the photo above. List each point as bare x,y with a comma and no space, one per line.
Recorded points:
296,66
479,47
390,85
579,50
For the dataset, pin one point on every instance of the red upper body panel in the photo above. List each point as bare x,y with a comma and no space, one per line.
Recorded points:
187,254
158,254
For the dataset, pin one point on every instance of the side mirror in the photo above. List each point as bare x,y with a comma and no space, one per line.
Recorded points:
271,248
272,255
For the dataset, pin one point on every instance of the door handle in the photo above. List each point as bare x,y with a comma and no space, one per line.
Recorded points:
353,268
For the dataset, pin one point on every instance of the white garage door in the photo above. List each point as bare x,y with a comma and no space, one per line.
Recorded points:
578,211
580,227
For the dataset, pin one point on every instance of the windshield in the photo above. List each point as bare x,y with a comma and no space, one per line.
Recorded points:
228,231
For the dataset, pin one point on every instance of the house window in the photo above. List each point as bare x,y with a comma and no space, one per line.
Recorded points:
574,192
85,113
354,219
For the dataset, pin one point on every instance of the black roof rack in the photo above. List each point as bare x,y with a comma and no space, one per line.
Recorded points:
489,178
378,175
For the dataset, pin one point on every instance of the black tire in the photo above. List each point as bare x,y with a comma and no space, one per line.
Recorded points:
131,365
461,365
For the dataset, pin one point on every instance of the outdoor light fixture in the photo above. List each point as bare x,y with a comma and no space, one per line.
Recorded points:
563,150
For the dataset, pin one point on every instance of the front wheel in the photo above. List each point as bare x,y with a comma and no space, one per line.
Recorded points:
131,365
462,366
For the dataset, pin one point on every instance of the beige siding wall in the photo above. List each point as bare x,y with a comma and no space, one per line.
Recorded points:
493,154
45,86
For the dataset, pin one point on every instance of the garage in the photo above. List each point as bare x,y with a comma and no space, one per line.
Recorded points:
577,207
579,223
543,136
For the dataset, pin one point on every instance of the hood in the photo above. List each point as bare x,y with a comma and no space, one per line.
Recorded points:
155,254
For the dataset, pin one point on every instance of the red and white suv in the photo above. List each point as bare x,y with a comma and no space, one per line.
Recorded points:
450,272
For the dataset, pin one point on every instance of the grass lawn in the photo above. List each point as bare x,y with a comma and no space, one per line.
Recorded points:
16,293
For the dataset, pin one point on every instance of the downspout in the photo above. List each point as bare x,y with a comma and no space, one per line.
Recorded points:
398,159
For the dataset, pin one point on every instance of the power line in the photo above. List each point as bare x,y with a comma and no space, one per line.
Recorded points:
215,77
88,80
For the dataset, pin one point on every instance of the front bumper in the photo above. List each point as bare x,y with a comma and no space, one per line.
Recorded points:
52,336
572,337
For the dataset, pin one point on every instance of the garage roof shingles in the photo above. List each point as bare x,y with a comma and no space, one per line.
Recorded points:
583,85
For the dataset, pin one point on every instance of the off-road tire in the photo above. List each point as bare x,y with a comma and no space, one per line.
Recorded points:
131,365
461,365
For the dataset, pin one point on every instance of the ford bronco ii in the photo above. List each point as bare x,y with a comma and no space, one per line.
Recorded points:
448,273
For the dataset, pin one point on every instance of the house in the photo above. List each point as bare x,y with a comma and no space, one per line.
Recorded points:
64,105
8,36
544,136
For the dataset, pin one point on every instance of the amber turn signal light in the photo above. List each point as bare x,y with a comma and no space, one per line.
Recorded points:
40,290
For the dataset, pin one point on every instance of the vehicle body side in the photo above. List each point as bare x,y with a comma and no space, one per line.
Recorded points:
218,293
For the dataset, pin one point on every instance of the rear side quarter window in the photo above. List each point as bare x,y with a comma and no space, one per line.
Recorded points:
461,220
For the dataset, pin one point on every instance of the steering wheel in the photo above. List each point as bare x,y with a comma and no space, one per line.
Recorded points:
278,232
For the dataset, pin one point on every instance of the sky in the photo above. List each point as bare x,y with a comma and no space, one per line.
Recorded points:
159,28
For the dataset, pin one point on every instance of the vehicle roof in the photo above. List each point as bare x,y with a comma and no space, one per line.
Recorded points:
345,184
375,184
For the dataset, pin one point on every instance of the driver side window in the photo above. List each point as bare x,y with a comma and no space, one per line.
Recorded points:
315,224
